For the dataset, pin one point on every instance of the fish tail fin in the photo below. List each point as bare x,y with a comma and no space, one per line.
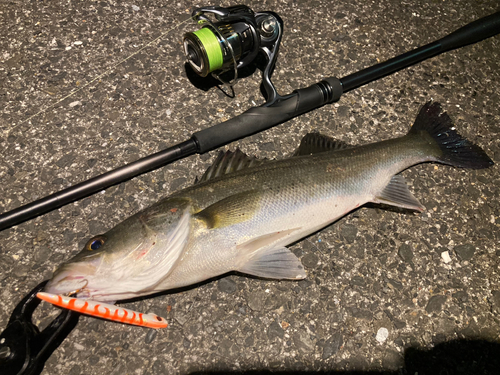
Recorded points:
453,148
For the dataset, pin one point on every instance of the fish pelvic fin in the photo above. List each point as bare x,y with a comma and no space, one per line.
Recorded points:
275,263
261,257
396,193
453,148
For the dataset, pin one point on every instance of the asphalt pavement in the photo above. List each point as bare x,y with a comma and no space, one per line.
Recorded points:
388,291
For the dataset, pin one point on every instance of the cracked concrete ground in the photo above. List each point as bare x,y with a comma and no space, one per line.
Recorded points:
378,289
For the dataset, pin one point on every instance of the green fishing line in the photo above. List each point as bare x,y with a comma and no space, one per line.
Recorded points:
212,46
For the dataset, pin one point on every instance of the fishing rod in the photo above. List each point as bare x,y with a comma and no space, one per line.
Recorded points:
229,39
233,40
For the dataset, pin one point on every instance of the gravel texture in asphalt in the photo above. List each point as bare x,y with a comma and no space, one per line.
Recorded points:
387,290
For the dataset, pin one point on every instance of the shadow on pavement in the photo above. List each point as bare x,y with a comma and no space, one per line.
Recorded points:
471,357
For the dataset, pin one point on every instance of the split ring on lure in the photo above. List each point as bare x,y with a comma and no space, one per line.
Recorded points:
104,310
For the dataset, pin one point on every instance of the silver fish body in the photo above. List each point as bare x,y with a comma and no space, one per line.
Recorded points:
242,220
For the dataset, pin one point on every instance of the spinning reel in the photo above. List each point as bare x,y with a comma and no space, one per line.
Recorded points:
233,40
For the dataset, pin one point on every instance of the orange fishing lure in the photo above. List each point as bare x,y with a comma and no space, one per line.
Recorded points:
105,311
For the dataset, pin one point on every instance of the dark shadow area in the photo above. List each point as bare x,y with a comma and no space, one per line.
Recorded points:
467,357
455,357
386,207
202,83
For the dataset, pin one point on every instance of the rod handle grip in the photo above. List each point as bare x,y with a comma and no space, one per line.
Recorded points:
257,119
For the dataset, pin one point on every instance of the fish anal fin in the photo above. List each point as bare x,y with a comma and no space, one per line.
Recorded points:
231,210
274,263
396,193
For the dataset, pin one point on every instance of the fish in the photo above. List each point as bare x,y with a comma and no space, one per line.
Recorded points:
244,212
104,311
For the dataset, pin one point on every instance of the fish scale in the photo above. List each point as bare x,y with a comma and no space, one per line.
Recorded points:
244,212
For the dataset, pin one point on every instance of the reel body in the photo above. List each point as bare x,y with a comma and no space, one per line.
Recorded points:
233,40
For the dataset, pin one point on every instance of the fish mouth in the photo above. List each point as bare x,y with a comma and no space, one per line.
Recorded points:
76,287
78,292
81,293
66,285
71,279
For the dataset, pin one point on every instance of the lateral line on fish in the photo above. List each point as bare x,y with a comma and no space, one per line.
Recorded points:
104,311
243,221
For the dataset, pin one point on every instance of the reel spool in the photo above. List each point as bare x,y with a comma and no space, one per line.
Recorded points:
232,41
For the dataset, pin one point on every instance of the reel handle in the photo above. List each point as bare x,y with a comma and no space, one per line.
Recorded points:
256,119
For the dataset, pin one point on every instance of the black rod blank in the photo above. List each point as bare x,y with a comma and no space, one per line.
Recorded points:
471,33
95,184
257,119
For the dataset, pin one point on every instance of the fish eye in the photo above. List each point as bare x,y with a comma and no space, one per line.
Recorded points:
95,243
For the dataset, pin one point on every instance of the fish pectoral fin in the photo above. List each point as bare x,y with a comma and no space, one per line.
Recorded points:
396,193
231,210
275,263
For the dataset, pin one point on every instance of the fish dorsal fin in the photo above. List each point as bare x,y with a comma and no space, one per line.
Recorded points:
228,162
314,143
396,193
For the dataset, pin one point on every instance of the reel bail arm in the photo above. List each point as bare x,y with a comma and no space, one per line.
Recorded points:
23,349
233,41
256,119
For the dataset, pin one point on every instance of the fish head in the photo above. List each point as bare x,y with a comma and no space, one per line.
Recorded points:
86,274
127,261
